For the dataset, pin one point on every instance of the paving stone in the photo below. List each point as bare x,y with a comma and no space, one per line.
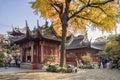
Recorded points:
82,74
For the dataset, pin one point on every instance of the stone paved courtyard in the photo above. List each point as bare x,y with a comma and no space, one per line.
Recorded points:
92,74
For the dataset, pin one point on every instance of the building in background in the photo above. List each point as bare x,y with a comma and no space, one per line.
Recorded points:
4,42
81,46
43,41
36,45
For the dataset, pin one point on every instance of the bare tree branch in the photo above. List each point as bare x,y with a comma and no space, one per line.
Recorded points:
59,5
75,13
82,1
91,20
101,3
55,8
89,4
67,2
101,10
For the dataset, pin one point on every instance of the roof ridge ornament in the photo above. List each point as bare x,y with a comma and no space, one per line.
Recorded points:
13,29
38,24
34,28
26,23
46,23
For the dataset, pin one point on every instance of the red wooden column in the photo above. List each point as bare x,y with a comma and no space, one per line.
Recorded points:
38,58
32,51
21,53
57,54
39,53
41,50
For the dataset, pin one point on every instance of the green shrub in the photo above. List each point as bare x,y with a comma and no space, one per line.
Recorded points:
49,58
1,65
69,70
1,59
2,55
86,59
86,67
57,68
53,68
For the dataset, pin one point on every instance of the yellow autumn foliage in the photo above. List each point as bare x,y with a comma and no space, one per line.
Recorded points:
101,16
111,46
87,58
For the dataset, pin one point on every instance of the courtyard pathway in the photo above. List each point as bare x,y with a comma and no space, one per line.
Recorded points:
82,74
11,70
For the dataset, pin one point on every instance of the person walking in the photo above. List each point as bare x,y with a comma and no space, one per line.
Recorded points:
18,62
80,63
12,63
104,61
8,59
99,63
76,64
5,63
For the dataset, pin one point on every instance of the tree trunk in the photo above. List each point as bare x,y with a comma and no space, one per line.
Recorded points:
64,20
63,43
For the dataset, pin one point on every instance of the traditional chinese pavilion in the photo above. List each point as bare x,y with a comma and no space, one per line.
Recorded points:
81,46
43,41
36,44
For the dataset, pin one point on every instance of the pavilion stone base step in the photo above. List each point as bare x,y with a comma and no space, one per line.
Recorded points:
30,66
70,63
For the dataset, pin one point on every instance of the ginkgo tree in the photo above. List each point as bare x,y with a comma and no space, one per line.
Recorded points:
77,15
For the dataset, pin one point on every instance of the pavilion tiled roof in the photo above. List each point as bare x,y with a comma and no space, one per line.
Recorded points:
41,32
15,31
78,42
98,45
48,33
81,42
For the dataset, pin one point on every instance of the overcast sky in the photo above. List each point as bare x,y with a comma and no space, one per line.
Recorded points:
15,12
